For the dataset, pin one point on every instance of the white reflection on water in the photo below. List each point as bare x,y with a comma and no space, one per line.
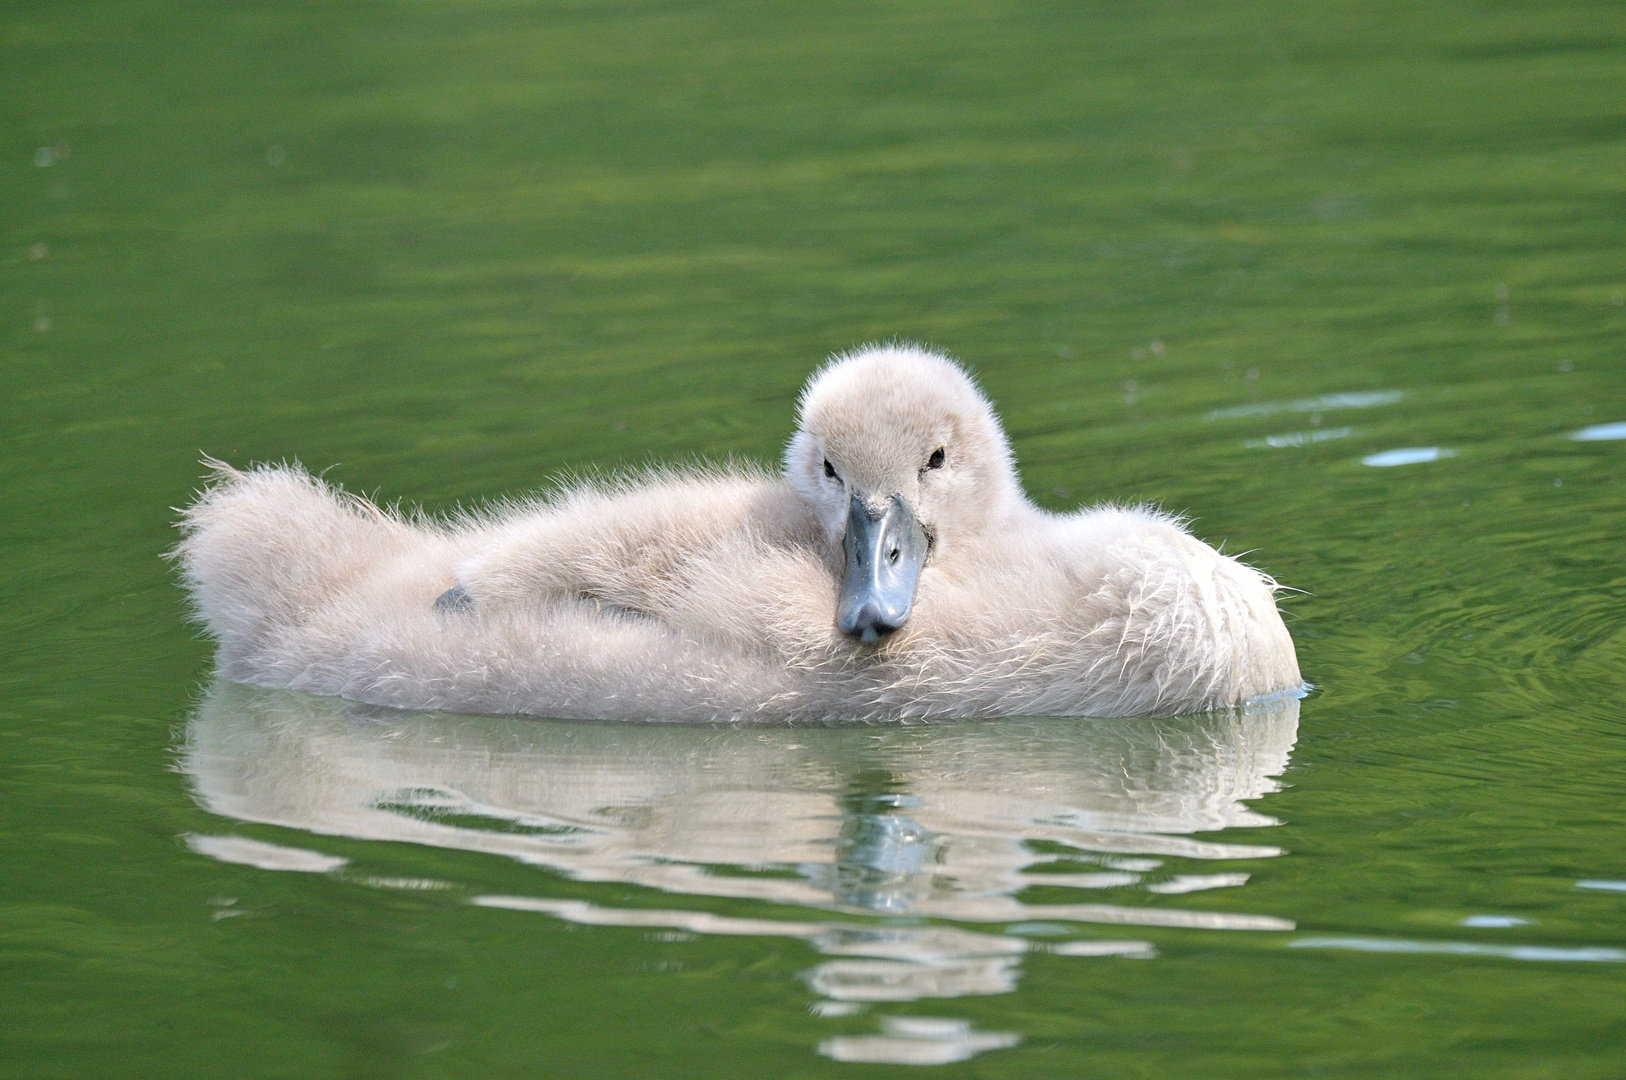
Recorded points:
917,1040
1600,433
1410,455
1491,922
1324,403
262,856
1592,955
1184,883
893,963
948,822
1299,438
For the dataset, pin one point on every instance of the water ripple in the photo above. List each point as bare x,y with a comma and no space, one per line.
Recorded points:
921,822
1324,403
1600,432
1411,455
1463,948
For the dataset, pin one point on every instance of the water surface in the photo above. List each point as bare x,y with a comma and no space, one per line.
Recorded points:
1211,257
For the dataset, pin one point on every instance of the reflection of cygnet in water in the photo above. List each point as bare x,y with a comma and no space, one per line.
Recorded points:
939,820
935,821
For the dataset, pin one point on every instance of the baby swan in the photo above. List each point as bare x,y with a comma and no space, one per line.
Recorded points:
894,569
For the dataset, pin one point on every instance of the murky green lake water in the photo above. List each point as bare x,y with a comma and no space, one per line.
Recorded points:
1230,258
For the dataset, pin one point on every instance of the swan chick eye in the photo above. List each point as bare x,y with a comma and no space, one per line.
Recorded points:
936,460
830,470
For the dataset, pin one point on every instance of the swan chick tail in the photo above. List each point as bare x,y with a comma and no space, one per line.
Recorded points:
262,549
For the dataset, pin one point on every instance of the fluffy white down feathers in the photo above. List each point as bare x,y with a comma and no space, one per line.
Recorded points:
711,594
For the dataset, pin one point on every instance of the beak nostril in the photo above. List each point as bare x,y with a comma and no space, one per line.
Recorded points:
885,547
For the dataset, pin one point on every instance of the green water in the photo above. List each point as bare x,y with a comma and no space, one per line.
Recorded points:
449,248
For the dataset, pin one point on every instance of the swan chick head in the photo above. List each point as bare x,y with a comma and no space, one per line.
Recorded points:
901,457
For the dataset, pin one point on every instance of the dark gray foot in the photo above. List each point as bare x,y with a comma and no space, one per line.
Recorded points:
454,599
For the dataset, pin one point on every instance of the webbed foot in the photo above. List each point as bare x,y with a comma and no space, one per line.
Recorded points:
455,599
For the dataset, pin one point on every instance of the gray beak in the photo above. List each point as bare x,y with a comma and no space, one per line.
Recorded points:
885,552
